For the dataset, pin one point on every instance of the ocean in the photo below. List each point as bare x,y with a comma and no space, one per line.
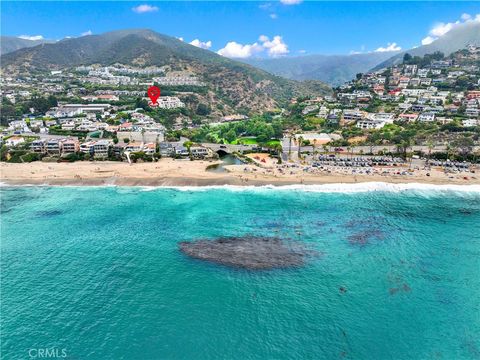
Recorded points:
96,273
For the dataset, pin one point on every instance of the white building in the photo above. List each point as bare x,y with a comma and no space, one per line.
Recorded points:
169,102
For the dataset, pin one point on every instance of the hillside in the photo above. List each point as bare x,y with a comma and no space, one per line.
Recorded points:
9,44
456,39
231,83
332,69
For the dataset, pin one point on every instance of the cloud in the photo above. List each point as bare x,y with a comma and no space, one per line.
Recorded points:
428,40
141,9
390,47
201,44
86,33
302,51
180,38
31,37
291,2
274,48
440,29
273,16
236,50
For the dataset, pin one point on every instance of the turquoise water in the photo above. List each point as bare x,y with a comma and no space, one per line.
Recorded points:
97,272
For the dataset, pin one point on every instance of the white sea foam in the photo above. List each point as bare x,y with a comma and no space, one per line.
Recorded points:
320,188
330,188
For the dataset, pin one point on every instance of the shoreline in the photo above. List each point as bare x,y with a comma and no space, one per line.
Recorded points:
175,173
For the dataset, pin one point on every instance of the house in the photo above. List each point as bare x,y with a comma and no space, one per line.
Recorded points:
199,152
53,147
38,146
149,148
181,151
134,146
100,149
408,117
70,146
166,149
370,124
87,147
426,117
381,116
352,115
471,122
169,102
36,124
14,141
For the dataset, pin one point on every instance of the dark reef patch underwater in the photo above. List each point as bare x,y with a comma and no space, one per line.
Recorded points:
249,252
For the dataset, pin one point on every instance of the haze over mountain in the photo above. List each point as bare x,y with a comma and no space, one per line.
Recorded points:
11,43
332,69
456,39
230,83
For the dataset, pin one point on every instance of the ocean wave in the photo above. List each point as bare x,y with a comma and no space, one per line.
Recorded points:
330,188
320,188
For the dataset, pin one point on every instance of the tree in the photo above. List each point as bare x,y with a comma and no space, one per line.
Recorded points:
203,109
300,143
230,135
464,145
406,58
126,140
7,111
141,103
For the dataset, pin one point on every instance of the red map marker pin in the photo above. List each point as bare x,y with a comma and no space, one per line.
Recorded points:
153,93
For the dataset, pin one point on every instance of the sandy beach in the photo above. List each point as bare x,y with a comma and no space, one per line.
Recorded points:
169,172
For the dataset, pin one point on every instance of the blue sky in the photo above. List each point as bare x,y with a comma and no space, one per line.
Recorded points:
250,28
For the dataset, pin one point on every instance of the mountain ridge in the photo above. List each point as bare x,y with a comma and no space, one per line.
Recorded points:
456,39
332,69
230,79
12,43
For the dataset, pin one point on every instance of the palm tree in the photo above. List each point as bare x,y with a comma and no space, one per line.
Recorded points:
290,138
300,143
349,151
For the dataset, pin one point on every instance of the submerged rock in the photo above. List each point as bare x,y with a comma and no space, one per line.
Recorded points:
252,253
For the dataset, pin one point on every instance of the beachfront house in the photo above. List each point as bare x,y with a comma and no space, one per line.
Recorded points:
70,146
38,146
14,141
53,147
100,149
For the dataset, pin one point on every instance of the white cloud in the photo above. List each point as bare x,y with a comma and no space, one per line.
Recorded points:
273,16
440,29
86,33
31,37
302,51
201,44
291,2
140,9
428,40
276,47
236,50
390,47
180,38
